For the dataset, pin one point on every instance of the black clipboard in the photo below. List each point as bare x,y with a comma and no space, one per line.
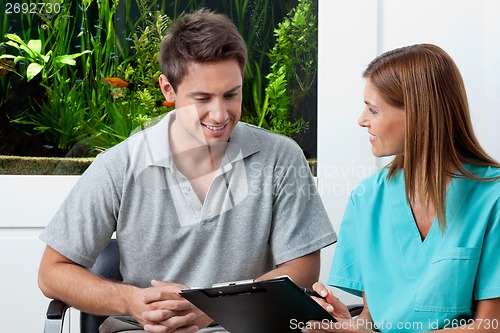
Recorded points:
269,306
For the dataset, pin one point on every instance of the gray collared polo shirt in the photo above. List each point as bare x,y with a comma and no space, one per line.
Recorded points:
262,209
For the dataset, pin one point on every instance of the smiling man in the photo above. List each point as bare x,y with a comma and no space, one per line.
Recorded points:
197,199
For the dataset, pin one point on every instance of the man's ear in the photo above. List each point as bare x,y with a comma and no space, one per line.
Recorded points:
167,89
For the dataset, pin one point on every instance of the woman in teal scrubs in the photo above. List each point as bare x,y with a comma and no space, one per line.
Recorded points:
420,240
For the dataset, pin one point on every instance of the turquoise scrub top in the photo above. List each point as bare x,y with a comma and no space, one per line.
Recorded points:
412,285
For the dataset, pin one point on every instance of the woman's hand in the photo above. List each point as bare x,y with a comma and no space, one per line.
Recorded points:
345,323
331,303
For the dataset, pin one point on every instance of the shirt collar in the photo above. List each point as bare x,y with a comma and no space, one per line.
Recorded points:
151,147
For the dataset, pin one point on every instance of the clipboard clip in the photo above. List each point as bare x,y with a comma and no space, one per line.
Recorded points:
233,283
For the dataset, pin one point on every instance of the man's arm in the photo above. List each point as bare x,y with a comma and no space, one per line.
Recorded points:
61,278
304,271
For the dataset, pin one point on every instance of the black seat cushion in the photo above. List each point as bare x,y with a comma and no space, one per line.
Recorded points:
107,265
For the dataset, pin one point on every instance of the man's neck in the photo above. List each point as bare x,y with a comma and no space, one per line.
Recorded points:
199,161
199,165
193,158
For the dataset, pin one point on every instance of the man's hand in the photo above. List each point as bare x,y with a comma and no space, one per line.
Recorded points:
160,309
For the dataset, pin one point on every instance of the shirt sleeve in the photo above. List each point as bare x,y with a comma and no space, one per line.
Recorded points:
345,272
300,223
488,276
86,220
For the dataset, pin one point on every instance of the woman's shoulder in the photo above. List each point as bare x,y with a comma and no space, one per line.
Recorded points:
490,174
379,178
479,169
489,177
377,184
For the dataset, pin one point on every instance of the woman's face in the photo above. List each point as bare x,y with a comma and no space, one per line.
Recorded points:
385,123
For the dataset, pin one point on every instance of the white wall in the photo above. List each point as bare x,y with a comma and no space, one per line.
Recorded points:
351,34
27,203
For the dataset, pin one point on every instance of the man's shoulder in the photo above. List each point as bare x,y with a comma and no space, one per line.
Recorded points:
261,131
116,152
115,159
140,140
267,138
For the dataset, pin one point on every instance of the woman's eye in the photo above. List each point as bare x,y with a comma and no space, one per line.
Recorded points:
372,111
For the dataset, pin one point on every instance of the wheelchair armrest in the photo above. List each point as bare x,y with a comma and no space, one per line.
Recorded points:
55,316
355,309
56,309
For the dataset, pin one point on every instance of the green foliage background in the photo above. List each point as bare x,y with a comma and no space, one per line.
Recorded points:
91,40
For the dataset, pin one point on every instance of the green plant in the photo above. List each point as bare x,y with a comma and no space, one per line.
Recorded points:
62,119
81,103
293,72
256,21
132,106
143,69
296,48
5,67
58,111
46,64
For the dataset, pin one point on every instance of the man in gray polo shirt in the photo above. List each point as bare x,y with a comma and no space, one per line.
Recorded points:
197,199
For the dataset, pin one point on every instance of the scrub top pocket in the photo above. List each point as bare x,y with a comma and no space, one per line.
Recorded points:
448,283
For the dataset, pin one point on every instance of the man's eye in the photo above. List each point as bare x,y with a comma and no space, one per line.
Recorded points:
201,99
231,95
372,111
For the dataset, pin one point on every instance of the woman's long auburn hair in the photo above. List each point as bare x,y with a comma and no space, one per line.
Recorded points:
424,81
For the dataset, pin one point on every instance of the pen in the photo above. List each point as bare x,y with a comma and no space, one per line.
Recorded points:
311,292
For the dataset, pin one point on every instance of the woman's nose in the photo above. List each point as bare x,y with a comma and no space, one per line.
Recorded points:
363,119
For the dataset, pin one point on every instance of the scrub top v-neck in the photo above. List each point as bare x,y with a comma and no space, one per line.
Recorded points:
411,284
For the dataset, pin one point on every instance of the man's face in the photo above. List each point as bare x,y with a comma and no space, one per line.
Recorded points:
208,101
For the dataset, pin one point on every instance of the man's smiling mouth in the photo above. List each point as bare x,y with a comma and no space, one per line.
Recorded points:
215,128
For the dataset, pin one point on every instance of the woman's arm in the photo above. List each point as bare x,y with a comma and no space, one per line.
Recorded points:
486,320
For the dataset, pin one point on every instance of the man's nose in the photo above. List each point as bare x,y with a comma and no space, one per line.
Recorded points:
219,111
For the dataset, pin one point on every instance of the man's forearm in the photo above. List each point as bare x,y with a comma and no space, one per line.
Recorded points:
63,279
304,271
85,291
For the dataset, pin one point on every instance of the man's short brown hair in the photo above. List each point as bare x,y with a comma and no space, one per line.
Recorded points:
202,36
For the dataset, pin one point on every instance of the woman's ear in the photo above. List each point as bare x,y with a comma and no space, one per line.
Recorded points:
167,89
